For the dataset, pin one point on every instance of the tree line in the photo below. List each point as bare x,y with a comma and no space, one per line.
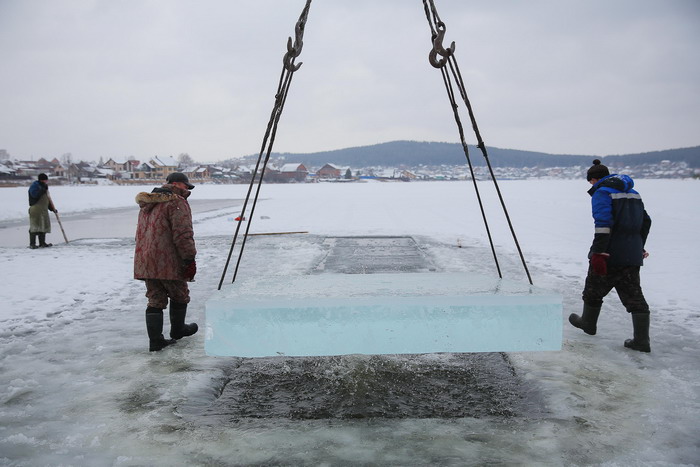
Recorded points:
416,153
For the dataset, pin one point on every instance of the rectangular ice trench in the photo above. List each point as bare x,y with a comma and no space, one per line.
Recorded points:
402,313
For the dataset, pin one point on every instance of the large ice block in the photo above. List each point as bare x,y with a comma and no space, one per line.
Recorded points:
340,314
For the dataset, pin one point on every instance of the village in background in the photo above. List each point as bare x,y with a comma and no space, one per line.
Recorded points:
283,169
130,171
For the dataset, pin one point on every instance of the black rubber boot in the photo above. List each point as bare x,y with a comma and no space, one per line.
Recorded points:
588,321
42,241
32,241
178,328
640,322
154,326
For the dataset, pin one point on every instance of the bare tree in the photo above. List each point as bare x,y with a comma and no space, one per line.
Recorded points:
185,159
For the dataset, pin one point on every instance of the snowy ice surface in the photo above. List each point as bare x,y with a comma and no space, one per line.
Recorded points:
78,387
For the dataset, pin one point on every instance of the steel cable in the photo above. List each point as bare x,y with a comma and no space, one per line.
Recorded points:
447,57
288,69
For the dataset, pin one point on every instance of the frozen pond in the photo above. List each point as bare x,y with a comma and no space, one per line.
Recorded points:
78,386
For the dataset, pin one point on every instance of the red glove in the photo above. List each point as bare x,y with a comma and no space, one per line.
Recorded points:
599,263
189,270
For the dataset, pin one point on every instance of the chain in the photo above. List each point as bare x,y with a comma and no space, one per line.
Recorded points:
440,57
449,73
288,70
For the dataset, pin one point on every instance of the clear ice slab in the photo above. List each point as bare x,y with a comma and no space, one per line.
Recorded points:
393,313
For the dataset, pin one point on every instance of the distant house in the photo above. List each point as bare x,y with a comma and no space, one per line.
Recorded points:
31,169
162,166
145,170
190,171
271,174
80,171
121,164
202,172
221,173
198,172
56,167
157,168
328,171
406,175
293,172
6,170
106,172
242,173
60,171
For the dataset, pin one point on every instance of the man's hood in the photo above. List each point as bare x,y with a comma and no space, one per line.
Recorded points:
623,183
164,194
149,200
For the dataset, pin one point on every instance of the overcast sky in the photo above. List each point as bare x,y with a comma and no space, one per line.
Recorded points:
102,78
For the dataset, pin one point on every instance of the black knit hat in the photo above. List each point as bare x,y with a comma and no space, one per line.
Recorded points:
597,171
179,177
43,177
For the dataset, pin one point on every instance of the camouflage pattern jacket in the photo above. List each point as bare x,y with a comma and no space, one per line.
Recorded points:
164,235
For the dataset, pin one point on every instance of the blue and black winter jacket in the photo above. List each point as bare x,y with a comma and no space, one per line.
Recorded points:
621,222
36,191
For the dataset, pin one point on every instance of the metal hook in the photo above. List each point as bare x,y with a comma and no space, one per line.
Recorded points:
439,49
294,49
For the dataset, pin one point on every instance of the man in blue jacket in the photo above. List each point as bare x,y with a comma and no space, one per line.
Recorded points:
621,229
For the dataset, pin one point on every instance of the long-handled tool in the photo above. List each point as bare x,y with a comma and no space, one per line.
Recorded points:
59,220
61,225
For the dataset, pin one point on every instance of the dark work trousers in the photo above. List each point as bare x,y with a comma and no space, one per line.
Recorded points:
158,291
625,279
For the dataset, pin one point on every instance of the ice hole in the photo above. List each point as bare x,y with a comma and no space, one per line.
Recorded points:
483,385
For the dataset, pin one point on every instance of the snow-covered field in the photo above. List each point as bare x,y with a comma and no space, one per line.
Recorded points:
78,386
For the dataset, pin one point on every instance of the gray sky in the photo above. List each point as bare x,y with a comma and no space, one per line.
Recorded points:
102,78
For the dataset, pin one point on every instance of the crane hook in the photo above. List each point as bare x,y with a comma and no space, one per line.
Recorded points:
439,49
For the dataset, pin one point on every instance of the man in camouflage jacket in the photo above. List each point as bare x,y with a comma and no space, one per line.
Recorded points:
165,257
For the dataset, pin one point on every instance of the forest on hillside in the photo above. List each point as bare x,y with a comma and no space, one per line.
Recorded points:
416,153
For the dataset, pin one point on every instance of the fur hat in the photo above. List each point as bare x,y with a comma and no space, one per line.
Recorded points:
597,171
